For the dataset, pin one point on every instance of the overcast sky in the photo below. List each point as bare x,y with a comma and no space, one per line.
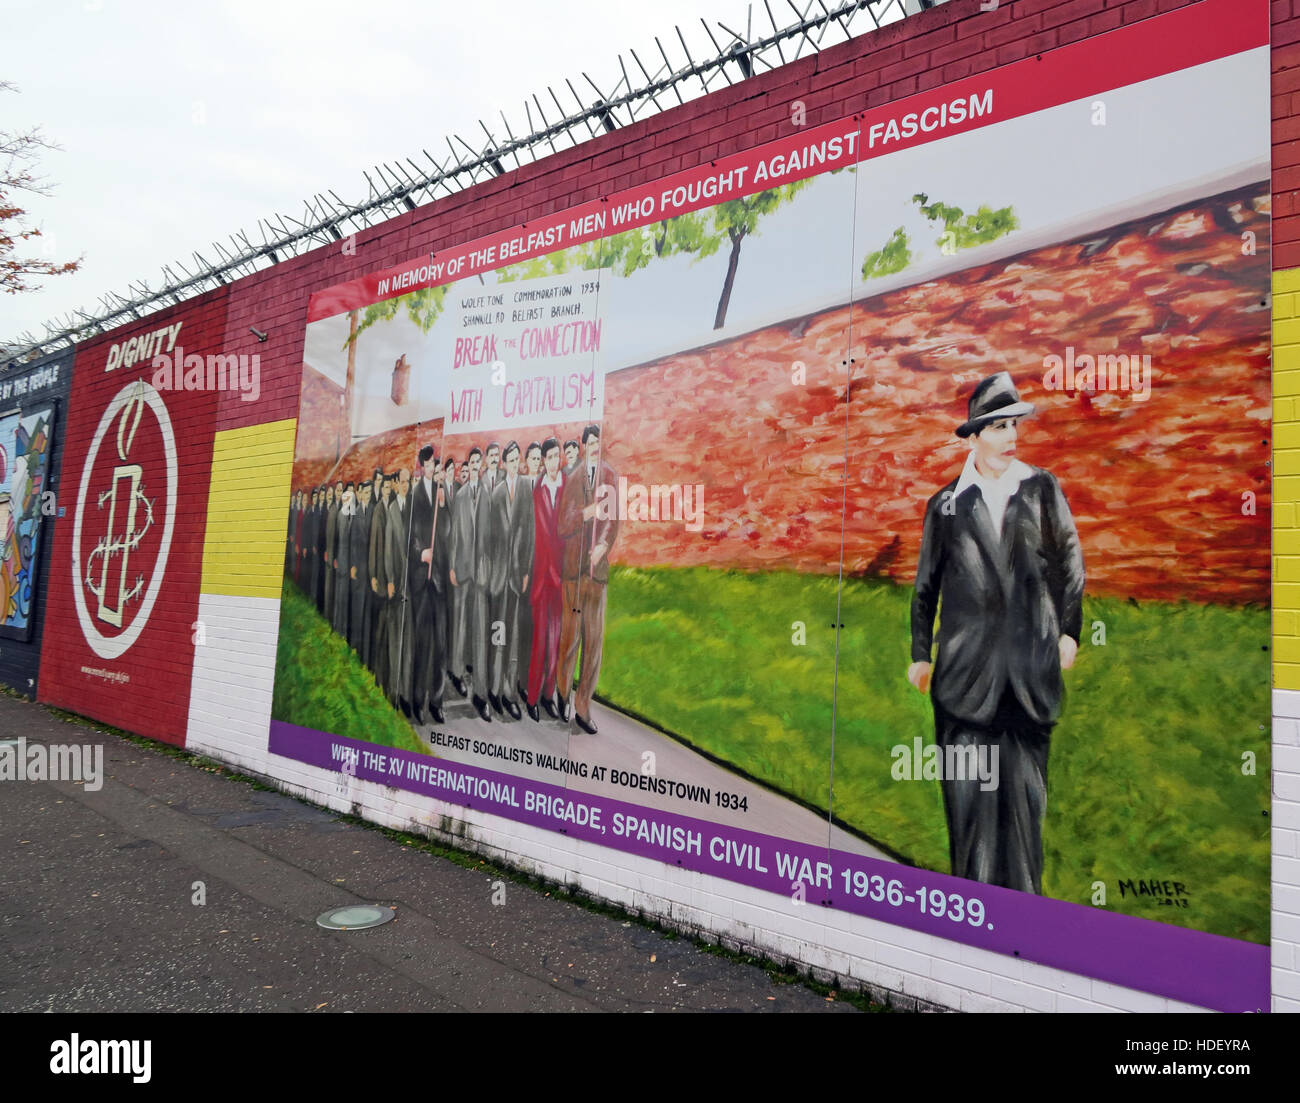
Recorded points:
181,123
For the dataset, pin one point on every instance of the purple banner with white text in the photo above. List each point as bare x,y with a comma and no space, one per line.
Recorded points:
1207,970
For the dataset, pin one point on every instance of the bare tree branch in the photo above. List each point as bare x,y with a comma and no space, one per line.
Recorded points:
19,152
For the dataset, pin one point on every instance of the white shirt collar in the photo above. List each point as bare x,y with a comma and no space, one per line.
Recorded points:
996,493
1011,478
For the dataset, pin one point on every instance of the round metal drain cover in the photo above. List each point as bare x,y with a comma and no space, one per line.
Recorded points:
355,917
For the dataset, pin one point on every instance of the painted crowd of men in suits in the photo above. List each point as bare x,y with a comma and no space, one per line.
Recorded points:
489,575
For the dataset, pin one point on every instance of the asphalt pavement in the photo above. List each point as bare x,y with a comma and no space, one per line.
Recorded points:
175,887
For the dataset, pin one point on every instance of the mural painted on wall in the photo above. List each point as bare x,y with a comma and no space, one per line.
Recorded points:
26,445
127,555
795,519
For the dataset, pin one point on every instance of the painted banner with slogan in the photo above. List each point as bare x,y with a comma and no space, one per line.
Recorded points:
523,356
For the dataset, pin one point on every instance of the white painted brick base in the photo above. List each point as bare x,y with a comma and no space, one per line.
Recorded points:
885,959
1286,850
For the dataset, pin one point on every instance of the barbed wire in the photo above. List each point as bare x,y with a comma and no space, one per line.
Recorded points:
397,187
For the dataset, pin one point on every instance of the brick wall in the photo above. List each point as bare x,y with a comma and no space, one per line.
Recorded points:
940,45
227,706
1286,503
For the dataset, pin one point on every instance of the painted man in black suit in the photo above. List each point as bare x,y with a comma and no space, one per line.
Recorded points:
335,500
343,561
318,549
530,471
379,582
295,536
358,580
510,556
468,573
449,483
492,473
288,539
397,537
428,557
999,548
303,569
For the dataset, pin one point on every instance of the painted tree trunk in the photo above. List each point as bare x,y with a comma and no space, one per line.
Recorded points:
721,317
342,447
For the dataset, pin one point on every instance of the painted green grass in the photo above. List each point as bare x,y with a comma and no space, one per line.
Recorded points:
1145,777
320,683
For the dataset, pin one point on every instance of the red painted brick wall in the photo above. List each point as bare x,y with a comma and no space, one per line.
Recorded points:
1286,133
150,689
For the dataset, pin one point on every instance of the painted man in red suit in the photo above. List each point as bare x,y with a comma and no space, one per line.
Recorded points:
589,526
547,597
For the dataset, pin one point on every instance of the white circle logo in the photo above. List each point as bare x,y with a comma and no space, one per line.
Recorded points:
130,515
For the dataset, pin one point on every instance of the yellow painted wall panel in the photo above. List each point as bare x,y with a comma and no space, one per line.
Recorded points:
248,508
1286,675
